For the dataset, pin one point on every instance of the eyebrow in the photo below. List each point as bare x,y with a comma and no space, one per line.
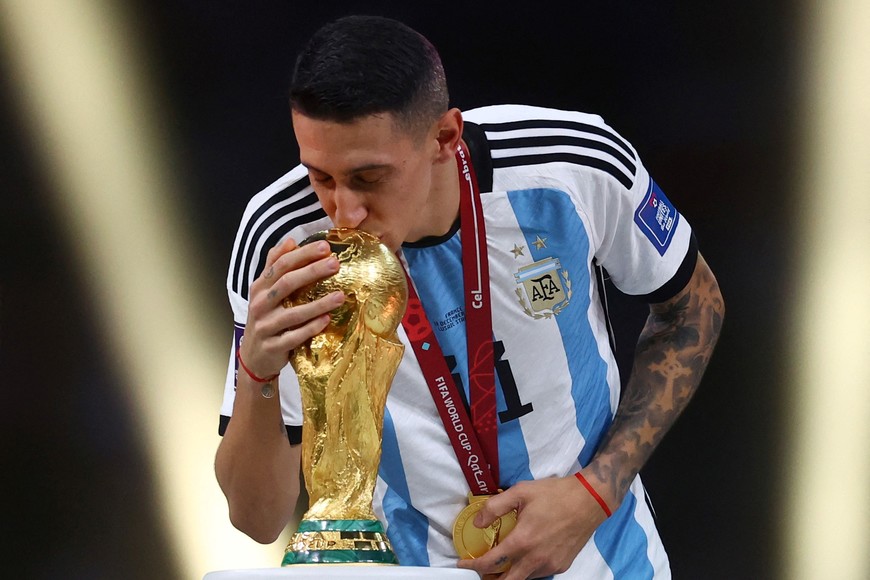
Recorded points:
360,169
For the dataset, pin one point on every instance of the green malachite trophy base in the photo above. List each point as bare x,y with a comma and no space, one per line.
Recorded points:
339,542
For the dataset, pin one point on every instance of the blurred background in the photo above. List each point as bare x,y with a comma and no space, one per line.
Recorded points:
133,134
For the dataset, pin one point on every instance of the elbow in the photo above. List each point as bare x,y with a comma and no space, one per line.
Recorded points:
260,501
262,528
258,515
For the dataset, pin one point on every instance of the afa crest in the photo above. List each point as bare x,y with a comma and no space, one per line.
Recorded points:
543,288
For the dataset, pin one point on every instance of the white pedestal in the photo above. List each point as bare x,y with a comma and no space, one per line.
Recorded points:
323,571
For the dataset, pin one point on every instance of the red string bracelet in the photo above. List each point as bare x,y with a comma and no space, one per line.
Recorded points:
594,493
254,377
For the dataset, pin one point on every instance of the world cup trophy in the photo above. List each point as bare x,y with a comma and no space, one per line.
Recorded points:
344,376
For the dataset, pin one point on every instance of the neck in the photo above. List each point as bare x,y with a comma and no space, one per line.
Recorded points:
444,201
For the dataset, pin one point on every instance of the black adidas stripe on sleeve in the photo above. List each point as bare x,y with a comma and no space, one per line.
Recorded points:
612,155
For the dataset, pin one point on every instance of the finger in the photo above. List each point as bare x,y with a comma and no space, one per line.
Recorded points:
505,561
301,314
497,506
301,256
276,252
286,257
279,341
295,279
496,561
279,320
290,272
293,337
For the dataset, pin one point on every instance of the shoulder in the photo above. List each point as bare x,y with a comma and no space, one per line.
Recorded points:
292,188
522,136
494,114
287,207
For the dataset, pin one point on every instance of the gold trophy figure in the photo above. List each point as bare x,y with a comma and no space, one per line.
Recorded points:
344,377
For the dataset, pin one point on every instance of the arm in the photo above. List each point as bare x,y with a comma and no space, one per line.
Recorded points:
672,352
255,465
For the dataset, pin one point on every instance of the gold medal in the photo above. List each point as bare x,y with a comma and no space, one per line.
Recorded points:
473,542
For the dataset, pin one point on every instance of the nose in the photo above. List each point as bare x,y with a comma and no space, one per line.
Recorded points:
349,208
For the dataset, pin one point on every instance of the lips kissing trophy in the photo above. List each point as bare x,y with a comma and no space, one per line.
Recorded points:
344,377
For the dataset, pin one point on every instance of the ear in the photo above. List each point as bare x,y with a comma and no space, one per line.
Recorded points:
448,134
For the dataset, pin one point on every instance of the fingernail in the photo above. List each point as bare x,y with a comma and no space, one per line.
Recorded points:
337,297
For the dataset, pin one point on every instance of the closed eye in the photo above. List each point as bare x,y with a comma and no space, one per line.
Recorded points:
370,179
319,176
366,181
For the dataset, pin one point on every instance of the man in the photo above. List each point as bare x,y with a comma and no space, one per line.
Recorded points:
561,196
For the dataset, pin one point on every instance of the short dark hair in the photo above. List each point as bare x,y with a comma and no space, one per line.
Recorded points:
363,65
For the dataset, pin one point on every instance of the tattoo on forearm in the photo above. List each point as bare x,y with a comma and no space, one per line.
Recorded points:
672,352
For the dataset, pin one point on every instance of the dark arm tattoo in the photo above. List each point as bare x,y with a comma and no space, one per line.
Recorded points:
673,350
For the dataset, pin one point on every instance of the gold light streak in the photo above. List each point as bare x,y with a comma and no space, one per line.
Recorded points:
96,121
827,509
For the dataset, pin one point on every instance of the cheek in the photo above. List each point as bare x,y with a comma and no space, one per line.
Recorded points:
418,184
410,201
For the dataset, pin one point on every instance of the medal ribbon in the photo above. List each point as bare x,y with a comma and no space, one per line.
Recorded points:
474,440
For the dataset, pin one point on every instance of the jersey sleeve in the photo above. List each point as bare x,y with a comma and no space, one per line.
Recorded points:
639,236
267,220
291,404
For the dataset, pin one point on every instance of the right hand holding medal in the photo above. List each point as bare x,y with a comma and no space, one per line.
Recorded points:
555,518
472,541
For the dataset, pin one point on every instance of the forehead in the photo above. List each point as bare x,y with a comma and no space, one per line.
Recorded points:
340,147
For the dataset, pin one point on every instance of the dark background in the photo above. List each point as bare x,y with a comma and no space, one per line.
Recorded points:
704,91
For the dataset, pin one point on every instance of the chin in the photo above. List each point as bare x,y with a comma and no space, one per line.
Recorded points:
393,246
387,240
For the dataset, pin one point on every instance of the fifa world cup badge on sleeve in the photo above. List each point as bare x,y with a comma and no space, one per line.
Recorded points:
657,218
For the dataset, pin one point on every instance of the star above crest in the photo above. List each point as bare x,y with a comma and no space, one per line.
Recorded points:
540,243
518,251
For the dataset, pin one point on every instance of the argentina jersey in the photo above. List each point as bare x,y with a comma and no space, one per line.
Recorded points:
557,385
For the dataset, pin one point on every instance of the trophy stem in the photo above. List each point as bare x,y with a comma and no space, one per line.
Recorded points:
339,542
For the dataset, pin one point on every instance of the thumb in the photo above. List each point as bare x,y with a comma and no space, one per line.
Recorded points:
497,506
